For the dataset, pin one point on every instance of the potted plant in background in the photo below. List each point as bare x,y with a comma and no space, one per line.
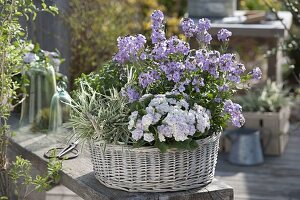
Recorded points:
154,114
43,85
268,110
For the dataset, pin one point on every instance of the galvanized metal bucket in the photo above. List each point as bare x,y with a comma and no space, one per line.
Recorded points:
245,147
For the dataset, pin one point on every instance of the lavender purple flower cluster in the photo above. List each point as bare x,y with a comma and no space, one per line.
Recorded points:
129,48
146,79
200,75
200,31
158,33
173,45
235,111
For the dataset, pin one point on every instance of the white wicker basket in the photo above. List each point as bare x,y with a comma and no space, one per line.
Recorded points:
146,169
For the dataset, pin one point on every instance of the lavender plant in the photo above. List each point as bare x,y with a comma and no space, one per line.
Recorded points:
176,94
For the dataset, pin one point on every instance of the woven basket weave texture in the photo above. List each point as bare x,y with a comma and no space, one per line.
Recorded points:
146,169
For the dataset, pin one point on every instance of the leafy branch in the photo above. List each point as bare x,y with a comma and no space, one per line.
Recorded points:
12,47
20,175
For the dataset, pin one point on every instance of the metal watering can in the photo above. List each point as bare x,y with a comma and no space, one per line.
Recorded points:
245,147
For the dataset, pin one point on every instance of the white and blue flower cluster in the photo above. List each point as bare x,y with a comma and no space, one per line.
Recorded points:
170,118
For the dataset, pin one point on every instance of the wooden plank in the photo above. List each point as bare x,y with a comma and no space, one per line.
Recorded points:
273,29
278,178
214,191
77,174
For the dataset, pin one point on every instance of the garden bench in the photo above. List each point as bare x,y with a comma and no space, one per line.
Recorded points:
77,174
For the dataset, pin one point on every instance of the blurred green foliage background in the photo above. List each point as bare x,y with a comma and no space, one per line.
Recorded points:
96,24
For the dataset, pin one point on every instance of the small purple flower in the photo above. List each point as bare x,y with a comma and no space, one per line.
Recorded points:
187,81
211,62
224,34
155,74
129,47
176,76
140,41
197,89
191,64
173,70
226,62
157,26
218,100
165,130
175,45
147,78
143,56
213,70
234,78
157,19
238,69
132,94
157,36
203,25
197,82
256,73
204,37
181,88
188,26
223,88
235,112
201,82
159,51
201,56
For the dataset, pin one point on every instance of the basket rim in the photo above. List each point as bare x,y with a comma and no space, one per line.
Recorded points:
122,147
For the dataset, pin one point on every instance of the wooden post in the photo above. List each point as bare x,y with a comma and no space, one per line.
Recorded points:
275,60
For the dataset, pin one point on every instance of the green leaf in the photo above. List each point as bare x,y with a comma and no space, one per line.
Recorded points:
193,145
19,14
188,144
21,33
54,9
36,48
44,5
34,16
162,146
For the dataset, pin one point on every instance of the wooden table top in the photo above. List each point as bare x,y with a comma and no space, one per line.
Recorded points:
77,174
265,29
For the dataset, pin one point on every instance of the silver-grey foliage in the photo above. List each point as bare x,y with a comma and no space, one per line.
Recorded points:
269,98
100,117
